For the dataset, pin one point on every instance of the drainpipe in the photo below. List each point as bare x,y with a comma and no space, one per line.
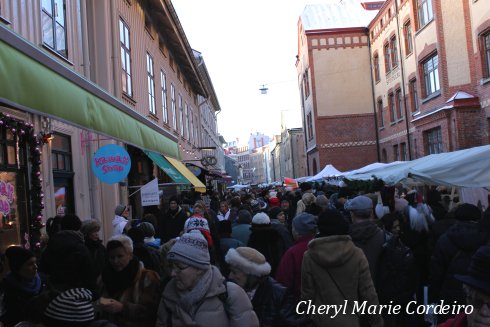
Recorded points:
373,96
409,145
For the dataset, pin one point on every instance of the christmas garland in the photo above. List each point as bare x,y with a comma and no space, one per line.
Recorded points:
368,186
24,134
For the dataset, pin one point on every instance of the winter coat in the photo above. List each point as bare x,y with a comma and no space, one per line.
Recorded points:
140,300
268,242
172,224
118,224
452,255
274,305
241,232
337,257
289,270
458,321
284,232
370,238
67,262
215,310
227,243
98,254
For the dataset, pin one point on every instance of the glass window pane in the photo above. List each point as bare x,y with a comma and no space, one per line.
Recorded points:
126,38
121,31
67,163
47,5
60,12
54,161
11,155
47,23
436,78
61,162
60,40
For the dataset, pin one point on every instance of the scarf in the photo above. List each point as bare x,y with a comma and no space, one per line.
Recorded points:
190,299
31,287
117,282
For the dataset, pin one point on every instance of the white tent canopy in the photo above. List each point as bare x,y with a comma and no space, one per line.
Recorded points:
370,167
328,171
463,168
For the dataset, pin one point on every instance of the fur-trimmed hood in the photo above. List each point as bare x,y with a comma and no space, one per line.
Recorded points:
249,261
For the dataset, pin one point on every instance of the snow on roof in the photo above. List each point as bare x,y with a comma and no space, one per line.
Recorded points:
336,14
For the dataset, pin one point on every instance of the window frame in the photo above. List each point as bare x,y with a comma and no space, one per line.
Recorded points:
163,84
393,52
376,67
181,115
425,13
379,105
414,97
151,84
399,104
431,75
54,23
125,47
485,42
407,33
387,57
391,107
433,141
174,106
309,122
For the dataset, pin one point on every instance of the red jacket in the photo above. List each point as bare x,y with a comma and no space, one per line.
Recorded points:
289,270
457,321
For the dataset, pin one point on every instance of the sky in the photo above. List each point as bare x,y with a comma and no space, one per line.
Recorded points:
246,44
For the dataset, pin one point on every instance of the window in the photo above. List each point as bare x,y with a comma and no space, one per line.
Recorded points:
386,52
376,67
425,13
396,153
186,107
151,84
54,25
393,52
181,113
384,155
306,84
403,151
191,135
431,75
391,104
380,113
434,141
61,158
125,58
174,114
407,32
163,80
486,55
414,97
399,103
309,122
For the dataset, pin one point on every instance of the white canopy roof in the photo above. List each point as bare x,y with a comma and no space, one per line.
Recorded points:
463,168
328,171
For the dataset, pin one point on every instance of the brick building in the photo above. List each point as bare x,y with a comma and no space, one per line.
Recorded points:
428,78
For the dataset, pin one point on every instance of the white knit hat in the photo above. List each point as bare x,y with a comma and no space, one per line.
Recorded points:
261,219
196,223
249,261
73,305
192,249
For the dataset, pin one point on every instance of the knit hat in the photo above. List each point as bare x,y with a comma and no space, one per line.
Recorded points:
305,186
360,202
244,217
249,261
274,202
274,211
192,249
90,226
17,256
73,305
479,270
331,222
119,209
261,219
196,223
147,229
467,211
255,206
304,223
71,222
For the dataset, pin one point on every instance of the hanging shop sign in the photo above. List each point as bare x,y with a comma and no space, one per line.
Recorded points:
149,194
111,163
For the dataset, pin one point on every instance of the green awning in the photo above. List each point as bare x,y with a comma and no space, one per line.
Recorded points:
31,84
170,170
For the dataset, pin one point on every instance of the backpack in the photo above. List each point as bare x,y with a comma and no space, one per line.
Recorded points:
396,274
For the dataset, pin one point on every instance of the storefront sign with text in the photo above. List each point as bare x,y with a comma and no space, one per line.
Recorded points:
111,163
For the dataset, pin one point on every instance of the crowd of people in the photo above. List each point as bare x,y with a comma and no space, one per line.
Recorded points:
255,258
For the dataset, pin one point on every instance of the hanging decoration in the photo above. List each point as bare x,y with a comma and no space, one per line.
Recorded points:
368,186
24,134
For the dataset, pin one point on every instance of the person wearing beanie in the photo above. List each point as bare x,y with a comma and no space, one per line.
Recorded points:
172,222
149,256
278,222
452,254
271,301
241,230
120,221
129,292
334,270
20,285
322,202
304,228
66,259
307,200
197,292
90,230
266,240
149,232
